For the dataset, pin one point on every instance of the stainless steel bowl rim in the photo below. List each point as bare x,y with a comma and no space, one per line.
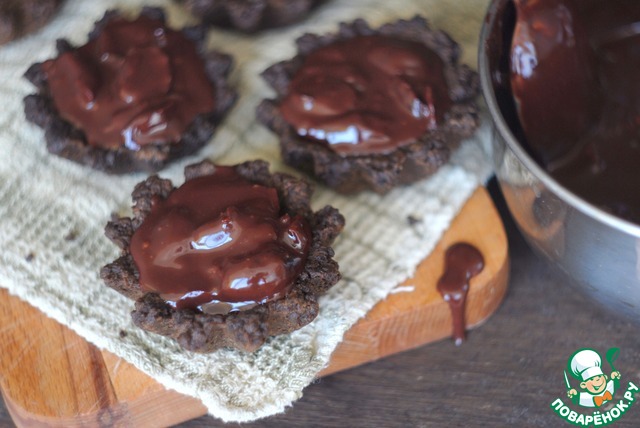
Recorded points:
504,130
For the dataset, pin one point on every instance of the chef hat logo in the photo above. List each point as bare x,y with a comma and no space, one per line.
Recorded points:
585,364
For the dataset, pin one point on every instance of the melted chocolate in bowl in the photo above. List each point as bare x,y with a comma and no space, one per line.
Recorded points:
574,77
219,243
136,83
367,95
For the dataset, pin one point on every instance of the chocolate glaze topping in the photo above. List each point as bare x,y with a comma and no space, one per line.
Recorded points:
574,76
219,243
462,262
367,94
136,83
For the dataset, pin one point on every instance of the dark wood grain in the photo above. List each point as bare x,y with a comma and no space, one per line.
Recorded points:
506,374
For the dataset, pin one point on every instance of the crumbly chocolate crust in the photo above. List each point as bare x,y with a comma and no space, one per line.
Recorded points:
377,172
65,140
21,17
249,16
245,330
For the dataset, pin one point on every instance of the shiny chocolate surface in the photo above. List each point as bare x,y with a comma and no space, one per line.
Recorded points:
136,83
574,66
220,243
367,95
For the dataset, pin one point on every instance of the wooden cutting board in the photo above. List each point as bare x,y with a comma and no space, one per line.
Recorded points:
49,376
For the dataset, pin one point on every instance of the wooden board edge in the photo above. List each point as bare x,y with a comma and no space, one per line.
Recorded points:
360,332
157,398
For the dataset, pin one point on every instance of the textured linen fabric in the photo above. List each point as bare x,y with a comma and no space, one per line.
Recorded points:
45,199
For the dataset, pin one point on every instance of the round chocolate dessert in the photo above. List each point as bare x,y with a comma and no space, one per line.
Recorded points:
136,96
249,16
229,258
370,109
21,17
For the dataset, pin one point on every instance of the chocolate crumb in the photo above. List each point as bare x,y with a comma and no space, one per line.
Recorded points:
123,334
29,257
71,236
413,220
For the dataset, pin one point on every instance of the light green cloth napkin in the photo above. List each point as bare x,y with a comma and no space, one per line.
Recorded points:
43,198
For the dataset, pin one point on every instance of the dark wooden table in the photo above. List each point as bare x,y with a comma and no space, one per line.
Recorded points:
507,373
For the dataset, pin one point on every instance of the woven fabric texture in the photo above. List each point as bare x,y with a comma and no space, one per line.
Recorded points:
44,199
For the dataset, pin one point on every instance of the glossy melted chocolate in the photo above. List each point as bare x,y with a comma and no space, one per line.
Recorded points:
136,83
574,77
462,262
219,243
367,95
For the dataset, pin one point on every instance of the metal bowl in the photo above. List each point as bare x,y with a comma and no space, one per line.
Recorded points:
598,251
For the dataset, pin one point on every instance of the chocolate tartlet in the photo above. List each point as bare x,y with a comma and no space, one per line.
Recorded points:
370,109
231,257
135,97
21,17
249,16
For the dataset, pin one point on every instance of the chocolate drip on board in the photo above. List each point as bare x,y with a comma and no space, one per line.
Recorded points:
462,261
